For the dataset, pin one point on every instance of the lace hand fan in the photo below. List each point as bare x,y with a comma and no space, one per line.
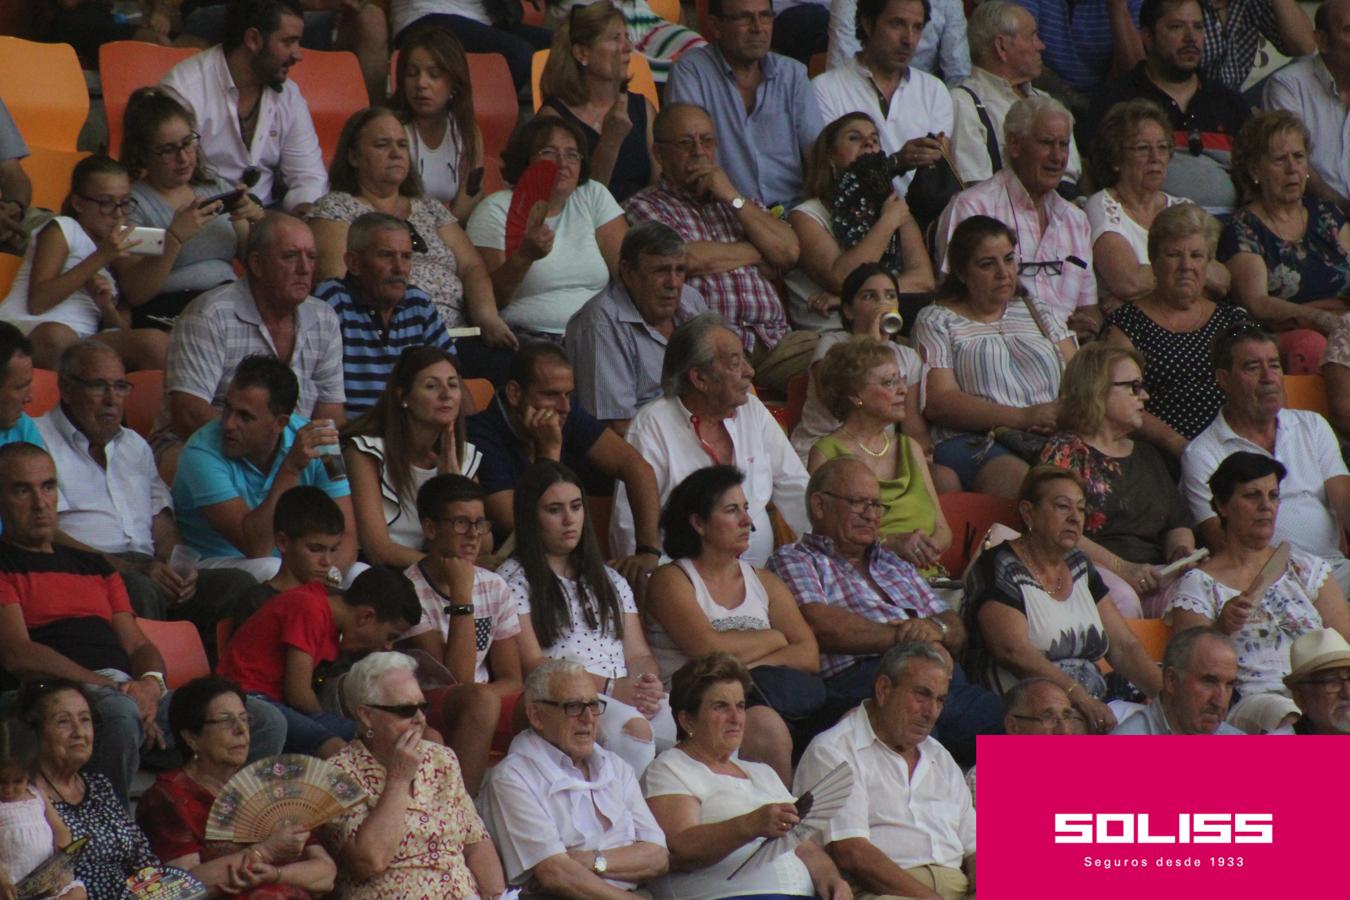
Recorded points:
302,790
816,808
535,184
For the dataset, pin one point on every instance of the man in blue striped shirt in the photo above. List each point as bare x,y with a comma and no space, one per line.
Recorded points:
380,314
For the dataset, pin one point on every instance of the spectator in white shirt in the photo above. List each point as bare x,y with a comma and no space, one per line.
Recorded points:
111,499
1315,496
942,49
566,815
709,416
907,104
908,828
248,113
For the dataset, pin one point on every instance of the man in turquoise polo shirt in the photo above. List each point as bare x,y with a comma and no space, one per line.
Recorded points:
234,468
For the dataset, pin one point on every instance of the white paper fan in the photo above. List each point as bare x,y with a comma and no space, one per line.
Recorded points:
303,790
816,808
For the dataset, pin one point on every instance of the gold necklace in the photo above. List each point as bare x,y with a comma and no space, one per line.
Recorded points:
1039,574
875,454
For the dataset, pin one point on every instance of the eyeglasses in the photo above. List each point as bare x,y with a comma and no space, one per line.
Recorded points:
401,710
1136,386
102,385
574,708
1049,266
861,505
687,144
419,243
743,19
1070,720
1331,684
232,721
890,383
1161,150
465,525
108,206
553,154
165,151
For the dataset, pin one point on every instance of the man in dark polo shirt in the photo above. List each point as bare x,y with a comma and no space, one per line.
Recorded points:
64,613
533,417
1205,115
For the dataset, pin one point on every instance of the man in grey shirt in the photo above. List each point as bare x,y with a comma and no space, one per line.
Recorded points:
618,339
1199,672
16,193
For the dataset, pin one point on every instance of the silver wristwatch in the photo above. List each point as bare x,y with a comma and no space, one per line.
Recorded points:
738,202
601,865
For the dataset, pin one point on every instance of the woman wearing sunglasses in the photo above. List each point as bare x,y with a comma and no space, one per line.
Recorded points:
211,729
416,834
1136,520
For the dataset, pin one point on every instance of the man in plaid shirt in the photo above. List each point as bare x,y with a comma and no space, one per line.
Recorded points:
861,599
733,245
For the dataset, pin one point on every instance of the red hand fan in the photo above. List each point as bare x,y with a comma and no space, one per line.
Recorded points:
535,184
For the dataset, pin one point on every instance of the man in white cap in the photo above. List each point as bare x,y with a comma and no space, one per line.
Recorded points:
1319,678
1199,669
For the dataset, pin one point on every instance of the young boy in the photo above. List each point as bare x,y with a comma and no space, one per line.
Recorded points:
469,622
274,653
308,528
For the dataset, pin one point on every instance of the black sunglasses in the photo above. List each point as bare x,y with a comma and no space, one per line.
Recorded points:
401,710
419,243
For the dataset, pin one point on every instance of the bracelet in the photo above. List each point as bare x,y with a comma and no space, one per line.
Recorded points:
1069,690
173,234
648,550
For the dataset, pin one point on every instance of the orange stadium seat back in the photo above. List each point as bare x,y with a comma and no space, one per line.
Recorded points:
49,171
333,87
45,92
124,66
9,267
533,13
640,80
1306,392
970,515
481,390
181,647
144,401
44,393
1153,634
496,108
667,9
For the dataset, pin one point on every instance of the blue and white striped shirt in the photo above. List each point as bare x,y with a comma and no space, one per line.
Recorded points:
369,349
1077,38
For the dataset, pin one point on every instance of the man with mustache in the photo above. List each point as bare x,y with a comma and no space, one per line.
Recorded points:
1199,670
379,312
1319,678
1205,114
1315,495
248,113
908,828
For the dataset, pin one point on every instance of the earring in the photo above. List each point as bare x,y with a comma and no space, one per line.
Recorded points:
404,404
370,733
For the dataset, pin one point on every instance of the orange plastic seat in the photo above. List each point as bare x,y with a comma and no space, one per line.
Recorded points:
124,66
44,90
9,267
970,515
45,395
181,647
144,401
1153,634
49,171
1306,392
481,390
667,9
496,109
640,79
333,87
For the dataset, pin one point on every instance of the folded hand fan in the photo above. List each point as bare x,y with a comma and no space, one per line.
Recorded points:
816,808
52,873
302,790
535,184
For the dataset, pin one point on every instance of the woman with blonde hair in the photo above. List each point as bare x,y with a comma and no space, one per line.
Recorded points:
586,81
1136,520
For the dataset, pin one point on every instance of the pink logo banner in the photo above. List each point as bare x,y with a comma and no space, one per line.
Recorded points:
1161,817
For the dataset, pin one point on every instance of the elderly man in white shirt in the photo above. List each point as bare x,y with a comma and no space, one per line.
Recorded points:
248,113
110,498
1315,495
708,416
906,104
909,827
568,816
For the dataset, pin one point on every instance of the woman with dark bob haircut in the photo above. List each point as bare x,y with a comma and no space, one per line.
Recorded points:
1263,615
571,244
709,599
211,729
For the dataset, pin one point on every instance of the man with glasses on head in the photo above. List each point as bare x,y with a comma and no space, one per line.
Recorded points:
1199,672
1054,239
761,103
1319,679
861,599
732,244
567,816
112,500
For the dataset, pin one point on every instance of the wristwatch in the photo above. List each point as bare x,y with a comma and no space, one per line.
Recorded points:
737,203
601,865
157,678
942,626
465,609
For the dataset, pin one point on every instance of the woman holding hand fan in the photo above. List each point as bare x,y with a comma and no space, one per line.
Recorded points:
550,243
209,722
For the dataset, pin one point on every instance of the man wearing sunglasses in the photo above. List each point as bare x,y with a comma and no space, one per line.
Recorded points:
566,815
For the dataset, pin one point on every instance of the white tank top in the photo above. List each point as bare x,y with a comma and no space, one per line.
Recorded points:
752,614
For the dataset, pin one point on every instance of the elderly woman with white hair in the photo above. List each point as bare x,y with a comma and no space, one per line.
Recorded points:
417,832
